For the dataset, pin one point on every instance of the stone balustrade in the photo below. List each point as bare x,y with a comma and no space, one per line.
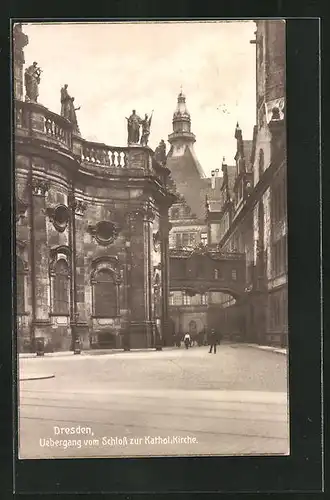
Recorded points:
100,154
34,120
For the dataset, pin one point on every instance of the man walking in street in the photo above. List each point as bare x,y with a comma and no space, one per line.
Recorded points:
213,341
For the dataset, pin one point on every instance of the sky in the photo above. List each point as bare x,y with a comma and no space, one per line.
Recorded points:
113,68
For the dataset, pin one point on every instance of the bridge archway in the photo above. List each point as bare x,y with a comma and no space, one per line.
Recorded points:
222,309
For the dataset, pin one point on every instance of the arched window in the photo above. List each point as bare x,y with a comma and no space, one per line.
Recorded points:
192,327
20,286
61,289
261,163
175,213
186,211
105,294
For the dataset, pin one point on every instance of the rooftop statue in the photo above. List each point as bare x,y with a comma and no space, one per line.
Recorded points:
160,152
68,110
32,81
133,128
146,124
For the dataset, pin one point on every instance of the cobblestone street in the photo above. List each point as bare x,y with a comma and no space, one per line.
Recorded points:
173,402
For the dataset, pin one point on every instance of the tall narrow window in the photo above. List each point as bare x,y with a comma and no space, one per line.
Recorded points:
204,238
261,163
234,274
20,286
105,294
192,239
178,240
186,299
203,299
185,239
61,288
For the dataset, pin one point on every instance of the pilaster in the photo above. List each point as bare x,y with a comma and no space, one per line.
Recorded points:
40,271
79,320
165,227
139,278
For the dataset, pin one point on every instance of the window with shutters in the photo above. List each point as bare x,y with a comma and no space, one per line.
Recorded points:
61,289
105,294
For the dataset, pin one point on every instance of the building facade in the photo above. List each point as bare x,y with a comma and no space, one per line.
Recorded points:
92,234
200,275
255,219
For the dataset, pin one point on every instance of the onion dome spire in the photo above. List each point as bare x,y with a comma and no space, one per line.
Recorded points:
181,121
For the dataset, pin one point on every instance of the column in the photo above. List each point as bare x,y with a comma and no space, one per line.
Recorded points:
39,260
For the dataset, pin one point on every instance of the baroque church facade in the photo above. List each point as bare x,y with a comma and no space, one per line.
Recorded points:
92,234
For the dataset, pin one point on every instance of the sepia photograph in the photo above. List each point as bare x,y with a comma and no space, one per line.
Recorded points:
151,231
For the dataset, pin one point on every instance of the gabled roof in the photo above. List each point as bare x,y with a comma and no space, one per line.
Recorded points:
185,171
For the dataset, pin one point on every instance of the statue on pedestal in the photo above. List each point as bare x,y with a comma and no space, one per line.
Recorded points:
146,124
68,110
32,81
133,128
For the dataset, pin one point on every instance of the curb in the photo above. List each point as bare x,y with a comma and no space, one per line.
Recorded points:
36,377
90,352
268,348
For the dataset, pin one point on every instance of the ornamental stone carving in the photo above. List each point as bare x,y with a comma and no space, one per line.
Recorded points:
39,186
156,241
146,213
21,208
78,206
107,262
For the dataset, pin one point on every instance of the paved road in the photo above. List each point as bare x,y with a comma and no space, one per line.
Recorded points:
174,402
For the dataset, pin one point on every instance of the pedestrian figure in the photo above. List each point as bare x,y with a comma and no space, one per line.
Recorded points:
213,341
187,340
